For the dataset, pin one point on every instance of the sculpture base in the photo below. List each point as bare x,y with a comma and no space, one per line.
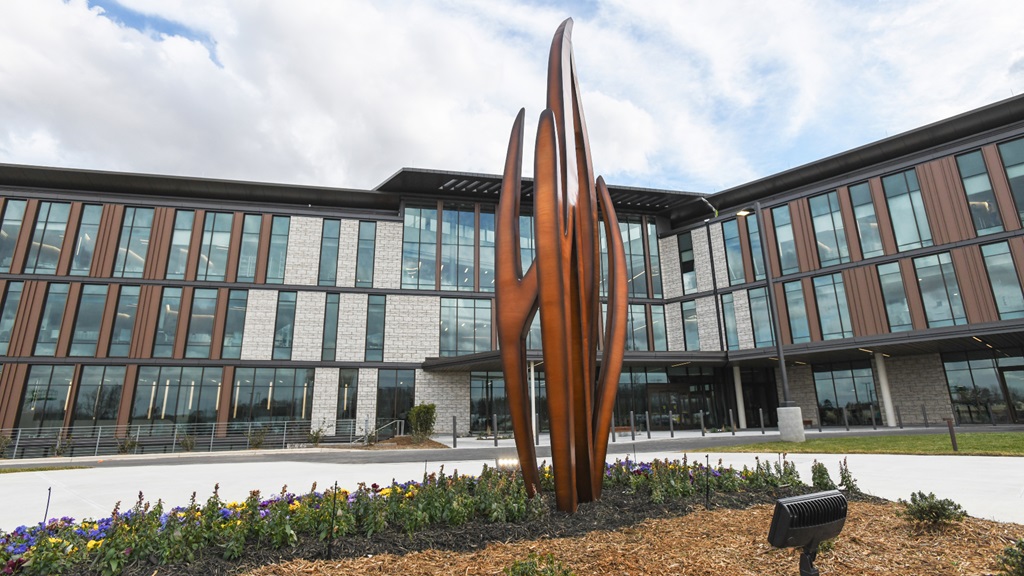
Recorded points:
791,424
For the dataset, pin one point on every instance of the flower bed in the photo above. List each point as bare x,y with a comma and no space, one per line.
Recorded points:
146,535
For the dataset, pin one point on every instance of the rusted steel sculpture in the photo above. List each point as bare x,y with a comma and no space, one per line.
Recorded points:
564,283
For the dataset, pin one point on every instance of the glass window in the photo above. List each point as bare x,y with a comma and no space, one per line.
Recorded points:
87,325
906,210
690,330
46,398
1012,154
829,234
234,325
329,239
465,326
419,248
88,229
658,327
375,310
686,263
249,252
9,313
732,337
533,337
272,394
47,238
975,387
53,315
134,243
330,343
761,317
177,258
14,214
99,396
167,323
458,233
849,387
784,240
1002,274
176,395
486,249
867,222
980,198
527,250
348,393
756,252
733,252
365,254
395,393
939,291
488,399
833,311
797,308
213,255
284,326
632,232
124,321
200,325
278,256
896,308
636,327
652,243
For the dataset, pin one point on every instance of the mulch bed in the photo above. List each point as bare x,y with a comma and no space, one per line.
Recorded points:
403,443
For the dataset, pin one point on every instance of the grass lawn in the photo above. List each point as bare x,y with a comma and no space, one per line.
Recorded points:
5,470
970,443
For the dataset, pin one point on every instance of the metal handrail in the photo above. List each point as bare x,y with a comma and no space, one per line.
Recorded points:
398,424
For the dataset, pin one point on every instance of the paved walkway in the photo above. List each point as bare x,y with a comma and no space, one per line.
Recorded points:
987,487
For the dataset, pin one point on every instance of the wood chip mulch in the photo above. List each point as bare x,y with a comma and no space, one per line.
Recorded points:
718,542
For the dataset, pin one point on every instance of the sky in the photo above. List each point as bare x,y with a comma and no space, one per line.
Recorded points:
683,95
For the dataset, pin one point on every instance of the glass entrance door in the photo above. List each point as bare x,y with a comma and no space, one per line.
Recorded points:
1013,390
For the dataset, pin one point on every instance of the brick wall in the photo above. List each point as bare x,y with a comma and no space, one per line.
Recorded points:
260,315
718,246
302,265
671,275
707,324
674,327
348,244
309,325
916,381
449,391
387,260
801,390
325,400
701,259
366,399
351,328
411,328
744,325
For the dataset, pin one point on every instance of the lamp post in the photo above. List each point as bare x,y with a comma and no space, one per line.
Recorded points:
790,418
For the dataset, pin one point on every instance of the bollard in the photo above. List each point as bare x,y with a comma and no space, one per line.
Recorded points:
536,428
760,414
632,426
952,434
819,421
846,421
494,426
366,428
455,436
899,418
703,430
874,426
991,419
732,423
647,422
671,427
924,412
613,426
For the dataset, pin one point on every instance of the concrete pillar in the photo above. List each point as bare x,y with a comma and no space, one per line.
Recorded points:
741,410
791,424
883,387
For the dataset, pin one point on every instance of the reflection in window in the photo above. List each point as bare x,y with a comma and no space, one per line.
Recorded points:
655,257
99,396
167,323
690,329
395,392
1012,154
88,229
686,263
833,311
486,249
906,210
200,325
632,232
846,386
797,308
939,291
284,326
124,321
181,239
980,198
176,395
8,313
895,295
761,318
46,398
658,328
1002,274
829,234
47,238
465,326
733,252
784,241
53,315
365,254
419,248
533,337
329,348
272,394
756,252
732,337
134,243
278,256
375,309
329,239
234,324
249,251
488,399
348,393
87,325
458,231
636,327
867,222
975,386
14,213
527,250
213,254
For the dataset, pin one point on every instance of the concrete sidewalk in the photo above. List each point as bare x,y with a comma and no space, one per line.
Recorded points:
987,487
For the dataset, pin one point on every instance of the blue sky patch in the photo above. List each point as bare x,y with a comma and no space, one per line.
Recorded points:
154,26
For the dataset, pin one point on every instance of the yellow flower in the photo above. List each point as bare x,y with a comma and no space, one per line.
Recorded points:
94,544
294,505
385,492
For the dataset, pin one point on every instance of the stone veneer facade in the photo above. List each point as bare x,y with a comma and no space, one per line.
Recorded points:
449,392
302,263
258,335
412,328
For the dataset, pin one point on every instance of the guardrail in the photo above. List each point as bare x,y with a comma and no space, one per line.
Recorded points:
167,438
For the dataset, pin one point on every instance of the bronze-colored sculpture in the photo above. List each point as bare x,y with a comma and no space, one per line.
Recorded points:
564,283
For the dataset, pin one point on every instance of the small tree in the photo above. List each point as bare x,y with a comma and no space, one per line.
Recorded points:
421,420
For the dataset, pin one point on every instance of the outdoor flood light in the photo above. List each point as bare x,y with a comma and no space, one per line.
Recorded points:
806,521
506,464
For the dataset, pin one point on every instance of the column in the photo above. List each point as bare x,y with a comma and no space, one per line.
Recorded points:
883,387
741,410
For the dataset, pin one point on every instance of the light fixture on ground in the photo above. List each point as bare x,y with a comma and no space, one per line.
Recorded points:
805,522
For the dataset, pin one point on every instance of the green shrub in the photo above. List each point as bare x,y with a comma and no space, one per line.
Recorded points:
5,442
820,478
187,442
930,511
257,436
421,420
1011,561
535,565
316,436
846,479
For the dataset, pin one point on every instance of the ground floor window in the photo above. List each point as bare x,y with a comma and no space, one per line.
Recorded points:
848,386
46,397
99,396
395,394
984,388
176,395
348,388
272,394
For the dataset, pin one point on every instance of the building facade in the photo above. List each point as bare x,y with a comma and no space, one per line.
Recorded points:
896,269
